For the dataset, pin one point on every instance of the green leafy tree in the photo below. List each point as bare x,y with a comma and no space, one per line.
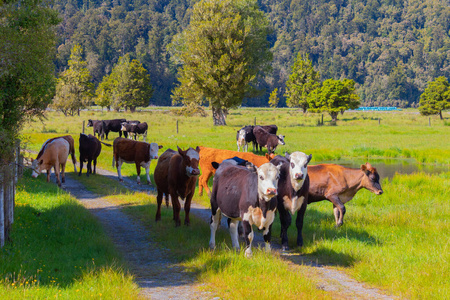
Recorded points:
223,51
302,81
435,98
334,97
74,89
128,86
273,98
27,83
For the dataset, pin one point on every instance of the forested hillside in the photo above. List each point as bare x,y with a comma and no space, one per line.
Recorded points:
390,48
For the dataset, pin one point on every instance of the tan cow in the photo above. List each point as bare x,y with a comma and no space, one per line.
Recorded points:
71,142
54,154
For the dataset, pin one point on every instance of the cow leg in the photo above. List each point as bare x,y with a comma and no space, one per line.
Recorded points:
147,171
119,167
338,209
159,201
81,167
176,209
248,236
48,174
215,222
299,223
58,180
267,234
285,220
95,165
63,173
187,209
138,171
89,167
234,224
203,182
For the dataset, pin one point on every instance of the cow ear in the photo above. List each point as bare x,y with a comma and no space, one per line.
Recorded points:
268,157
309,158
180,151
160,146
197,149
215,165
286,154
363,168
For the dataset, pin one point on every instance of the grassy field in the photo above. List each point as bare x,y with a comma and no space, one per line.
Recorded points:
397,241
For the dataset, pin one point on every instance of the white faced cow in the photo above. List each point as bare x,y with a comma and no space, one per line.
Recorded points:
241,141
53,154
139,153
292,192
244,195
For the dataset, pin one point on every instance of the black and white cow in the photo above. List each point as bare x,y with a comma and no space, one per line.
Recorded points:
244,195
114,125
241,141
267,139
134,129
292,195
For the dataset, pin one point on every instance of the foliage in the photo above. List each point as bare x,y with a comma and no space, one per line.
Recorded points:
302,81
26,69
128,86
222,52
435,98
273,99
334,97
74,88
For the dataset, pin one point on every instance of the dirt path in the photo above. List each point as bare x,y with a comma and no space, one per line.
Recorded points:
161,278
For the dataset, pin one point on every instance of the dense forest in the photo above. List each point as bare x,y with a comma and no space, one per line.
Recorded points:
390,48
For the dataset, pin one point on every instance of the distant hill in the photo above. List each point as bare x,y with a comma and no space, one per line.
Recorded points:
391,48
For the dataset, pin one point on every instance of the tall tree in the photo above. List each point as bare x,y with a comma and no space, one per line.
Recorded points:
302,81
223,51
27,84
273,99
435,98
334,97
74,89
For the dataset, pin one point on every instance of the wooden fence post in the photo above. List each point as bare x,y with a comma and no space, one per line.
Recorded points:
177,126
83,126
429,121
379,121
254,122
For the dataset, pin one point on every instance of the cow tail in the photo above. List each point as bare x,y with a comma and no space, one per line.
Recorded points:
113,161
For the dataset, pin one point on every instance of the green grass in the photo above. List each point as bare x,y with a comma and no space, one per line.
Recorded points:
59,250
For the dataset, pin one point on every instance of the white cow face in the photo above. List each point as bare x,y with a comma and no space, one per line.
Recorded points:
268,176
241,137
281,139
36,167
191,157
298,168
154,150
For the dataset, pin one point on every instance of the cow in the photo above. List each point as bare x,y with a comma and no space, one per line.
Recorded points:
176,175
71,142
54,154
292,195
267,139
240,140
97,127
134,129
90,148
250,137
209,155
113,125
139,153
244,195
339,185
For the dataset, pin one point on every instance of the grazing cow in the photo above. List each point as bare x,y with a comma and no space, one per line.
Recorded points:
113,125
176,175
240,140
140,153
71,142
244,195
292,192
134,129
209,155
54,154
339,185
90,148
97,127
267,140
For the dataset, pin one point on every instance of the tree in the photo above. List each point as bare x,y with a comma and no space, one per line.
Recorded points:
435,98
74,88
334,97
128,86
273,99
223,51
302,81
27,83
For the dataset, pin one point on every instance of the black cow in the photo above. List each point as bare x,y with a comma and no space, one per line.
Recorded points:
113,125
244,195
97,127
134,129
267,139
90,148
292,195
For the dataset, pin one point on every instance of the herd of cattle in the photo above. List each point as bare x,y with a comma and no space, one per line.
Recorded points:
246,187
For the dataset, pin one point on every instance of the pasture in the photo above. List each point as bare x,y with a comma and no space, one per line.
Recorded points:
398,242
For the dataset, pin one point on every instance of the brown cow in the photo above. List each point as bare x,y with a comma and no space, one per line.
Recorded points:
210,155
70,140
139,153
339,185
176,175
54,154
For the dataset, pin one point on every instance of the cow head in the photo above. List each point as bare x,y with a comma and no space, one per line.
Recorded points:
123,126
191,158
36,165
371,179
90,123
268,176
298,162
281,139
241,136
154,147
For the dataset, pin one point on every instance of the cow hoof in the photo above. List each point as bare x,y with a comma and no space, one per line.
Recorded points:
212,246
120,180
339,224
248,253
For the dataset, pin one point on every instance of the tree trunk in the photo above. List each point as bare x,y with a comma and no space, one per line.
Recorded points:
218,117
440,115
